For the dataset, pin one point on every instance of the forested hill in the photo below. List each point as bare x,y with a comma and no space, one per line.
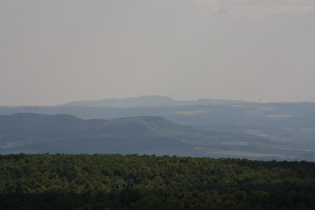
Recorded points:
33,133
114,181
36,133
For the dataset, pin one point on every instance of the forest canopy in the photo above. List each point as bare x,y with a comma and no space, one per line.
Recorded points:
116,181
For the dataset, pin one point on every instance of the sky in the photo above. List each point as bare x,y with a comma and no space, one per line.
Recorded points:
53,52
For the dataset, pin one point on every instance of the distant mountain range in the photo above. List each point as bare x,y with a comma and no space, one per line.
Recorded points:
284,130
150,101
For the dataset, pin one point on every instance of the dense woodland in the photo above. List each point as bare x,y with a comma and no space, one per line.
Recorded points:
101,181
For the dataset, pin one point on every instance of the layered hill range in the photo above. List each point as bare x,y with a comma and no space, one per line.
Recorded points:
36,133
206,127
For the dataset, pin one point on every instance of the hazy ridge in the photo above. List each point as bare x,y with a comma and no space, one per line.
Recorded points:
150,101
240,129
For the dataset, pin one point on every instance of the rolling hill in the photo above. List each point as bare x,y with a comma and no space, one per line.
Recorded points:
38,133
67,134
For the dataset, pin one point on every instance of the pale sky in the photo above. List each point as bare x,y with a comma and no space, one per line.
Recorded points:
57,51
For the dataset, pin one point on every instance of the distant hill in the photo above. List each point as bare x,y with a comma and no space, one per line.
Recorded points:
33,133
150,101
290,127
37,133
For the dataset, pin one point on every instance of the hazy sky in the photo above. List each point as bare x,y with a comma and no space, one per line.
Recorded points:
56,51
